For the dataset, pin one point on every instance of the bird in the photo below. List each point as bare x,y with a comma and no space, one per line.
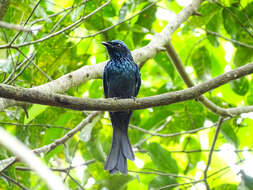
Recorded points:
121,79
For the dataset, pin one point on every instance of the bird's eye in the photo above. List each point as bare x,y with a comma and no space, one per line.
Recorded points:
118,45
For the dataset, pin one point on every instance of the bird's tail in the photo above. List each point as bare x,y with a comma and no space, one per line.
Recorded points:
121,147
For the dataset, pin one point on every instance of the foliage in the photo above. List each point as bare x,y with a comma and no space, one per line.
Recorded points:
183,156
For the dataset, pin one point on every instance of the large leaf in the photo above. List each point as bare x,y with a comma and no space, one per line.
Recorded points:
207,11
161,181
240,86
226,187
191,143
242,56
229,133
201,62
162,158
214,25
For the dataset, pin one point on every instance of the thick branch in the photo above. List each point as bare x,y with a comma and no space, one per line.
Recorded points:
39,97
187,80
17,148
141,55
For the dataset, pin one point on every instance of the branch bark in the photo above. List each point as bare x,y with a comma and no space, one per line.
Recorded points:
39,97
141,55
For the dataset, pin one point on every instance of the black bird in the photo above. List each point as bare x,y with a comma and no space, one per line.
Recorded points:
121,79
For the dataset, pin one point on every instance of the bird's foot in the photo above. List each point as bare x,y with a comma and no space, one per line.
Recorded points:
133,97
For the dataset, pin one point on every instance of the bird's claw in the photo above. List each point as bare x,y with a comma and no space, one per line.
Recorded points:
133,97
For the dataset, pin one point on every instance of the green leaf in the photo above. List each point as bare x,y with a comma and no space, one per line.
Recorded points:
95,146
230,24
70,148
247,180
34,111
226,187
143,24
214,25
190,143
163,60
161,181
242,56
116,182
250,95
207,11
201,62
162,158
96,90
240,86
229,134
85,133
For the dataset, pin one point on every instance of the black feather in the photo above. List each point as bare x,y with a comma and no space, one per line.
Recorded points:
121,79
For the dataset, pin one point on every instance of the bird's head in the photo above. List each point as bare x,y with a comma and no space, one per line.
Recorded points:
117,49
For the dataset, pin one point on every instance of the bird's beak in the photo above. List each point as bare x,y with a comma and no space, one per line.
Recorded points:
106,44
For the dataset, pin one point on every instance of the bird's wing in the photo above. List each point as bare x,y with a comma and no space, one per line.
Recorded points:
105,80
138,80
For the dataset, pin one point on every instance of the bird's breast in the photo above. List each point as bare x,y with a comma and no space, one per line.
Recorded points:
122,80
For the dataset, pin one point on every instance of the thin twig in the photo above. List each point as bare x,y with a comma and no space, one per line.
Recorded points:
36,125
43,73
155,131
18,27
57,142
233,15
70,162
60,12
228,39
206,150
211,151
175,134
15,37
59,169
30,60
110,27
160,173
13,181
179,184
76,182
58,32
21,151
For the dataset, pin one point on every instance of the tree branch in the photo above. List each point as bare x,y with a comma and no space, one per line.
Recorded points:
60,169
13,181
211,151
173,134
56,33
141,55
64,101
228,39
47,148
18,27
187,80
17,148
